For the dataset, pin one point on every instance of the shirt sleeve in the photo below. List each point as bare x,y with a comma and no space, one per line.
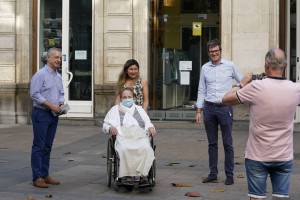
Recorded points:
201,90
246,94
36,85
237,75
61,92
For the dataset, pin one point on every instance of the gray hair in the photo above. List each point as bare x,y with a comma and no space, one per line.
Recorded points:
51,50
276,58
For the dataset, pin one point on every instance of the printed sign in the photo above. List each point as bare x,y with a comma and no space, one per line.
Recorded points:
197,27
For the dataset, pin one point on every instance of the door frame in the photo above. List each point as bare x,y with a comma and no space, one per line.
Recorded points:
82,109
288,46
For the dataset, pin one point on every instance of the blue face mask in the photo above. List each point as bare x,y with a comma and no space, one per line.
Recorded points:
127,102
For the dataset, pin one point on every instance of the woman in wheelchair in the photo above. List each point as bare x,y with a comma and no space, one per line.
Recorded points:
132,127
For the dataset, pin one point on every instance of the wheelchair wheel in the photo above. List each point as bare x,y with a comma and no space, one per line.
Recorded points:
151,176
109,161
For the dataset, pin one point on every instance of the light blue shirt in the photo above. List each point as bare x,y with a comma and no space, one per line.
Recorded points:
46,85
216,80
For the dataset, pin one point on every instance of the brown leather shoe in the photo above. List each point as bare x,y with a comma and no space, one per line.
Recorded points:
210,178
39,182
50,180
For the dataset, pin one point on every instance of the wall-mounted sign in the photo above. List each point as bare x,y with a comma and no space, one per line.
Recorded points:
197,27
185,65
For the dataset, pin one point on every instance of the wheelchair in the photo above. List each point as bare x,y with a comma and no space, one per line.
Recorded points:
113,163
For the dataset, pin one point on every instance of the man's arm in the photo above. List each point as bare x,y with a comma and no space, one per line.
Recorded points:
230,98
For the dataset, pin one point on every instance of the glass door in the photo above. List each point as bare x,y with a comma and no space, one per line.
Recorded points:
293,44
67,25
173,42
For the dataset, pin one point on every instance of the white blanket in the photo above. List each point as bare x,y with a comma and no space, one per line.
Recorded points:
135,152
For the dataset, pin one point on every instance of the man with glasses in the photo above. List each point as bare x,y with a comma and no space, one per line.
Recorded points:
215,80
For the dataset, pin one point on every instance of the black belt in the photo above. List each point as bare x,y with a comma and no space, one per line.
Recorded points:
43,109
214,104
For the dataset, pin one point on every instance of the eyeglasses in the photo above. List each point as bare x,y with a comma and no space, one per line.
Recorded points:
215,51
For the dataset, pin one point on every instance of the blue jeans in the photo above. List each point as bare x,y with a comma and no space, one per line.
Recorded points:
44,129
213,117
257,174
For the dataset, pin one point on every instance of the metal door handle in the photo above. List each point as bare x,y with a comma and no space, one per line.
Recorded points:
71,77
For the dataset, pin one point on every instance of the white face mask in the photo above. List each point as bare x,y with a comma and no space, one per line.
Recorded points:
127,102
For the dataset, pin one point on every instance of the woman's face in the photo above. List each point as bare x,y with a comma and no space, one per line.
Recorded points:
132,71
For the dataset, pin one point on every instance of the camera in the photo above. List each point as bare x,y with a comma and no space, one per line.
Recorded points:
257,77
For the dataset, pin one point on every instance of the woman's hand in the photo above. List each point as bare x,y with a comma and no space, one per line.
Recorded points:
113,130
152,131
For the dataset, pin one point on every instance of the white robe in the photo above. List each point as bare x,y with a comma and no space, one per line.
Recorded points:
132,144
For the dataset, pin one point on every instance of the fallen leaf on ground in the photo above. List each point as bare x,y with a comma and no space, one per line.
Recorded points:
70,160
69,152
217,190
181,185
193,194
241,176
30,198
192,165
172,163
48,196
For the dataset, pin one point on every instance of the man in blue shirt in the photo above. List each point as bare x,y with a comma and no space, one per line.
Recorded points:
47,94
215,80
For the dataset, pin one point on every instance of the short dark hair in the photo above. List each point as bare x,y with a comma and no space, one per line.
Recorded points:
213,43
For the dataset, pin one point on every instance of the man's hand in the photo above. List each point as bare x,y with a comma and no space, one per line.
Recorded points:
55,108
198,117
246,79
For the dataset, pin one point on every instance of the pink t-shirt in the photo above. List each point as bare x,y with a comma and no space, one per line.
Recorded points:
273,104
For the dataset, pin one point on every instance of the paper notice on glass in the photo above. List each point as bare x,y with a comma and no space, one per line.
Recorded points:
64,109
80,55
184,78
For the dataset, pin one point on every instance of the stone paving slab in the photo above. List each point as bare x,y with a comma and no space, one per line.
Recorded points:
78,161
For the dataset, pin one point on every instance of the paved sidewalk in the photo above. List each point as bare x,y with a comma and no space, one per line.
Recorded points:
78,161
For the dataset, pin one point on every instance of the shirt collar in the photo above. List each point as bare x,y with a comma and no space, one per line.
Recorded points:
222,61
278,78
49,69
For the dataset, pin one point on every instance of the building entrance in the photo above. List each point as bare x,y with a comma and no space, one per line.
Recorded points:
178,52
68,25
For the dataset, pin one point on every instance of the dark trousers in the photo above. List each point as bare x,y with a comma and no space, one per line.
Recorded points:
44,130
213,117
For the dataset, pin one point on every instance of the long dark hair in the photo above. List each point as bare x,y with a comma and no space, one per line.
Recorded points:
123,75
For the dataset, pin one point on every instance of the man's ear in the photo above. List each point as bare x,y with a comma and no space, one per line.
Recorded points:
267,65
285,66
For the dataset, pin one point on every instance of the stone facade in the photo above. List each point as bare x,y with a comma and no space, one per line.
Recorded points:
15,60
248,30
